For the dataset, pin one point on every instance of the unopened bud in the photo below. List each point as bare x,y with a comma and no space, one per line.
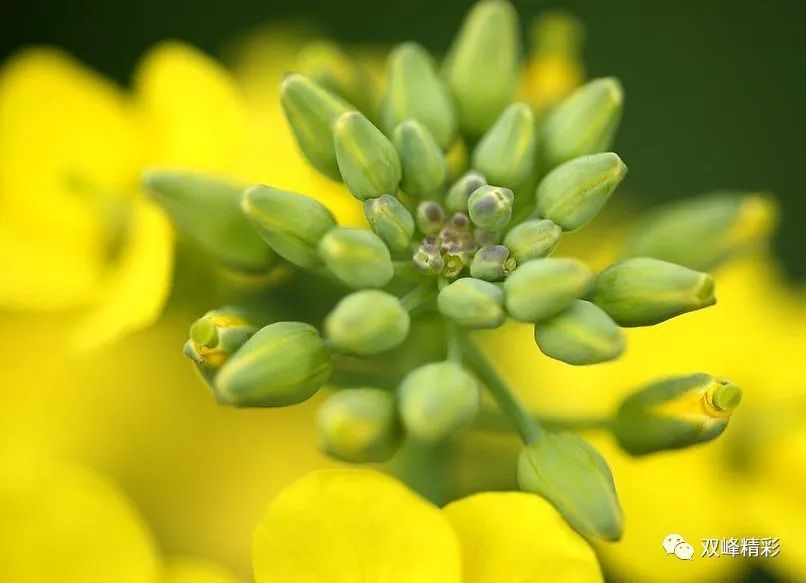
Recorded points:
391,221
359,425
430,217
292,224
358,257
584,123
215,337
490,207
573,193
208,210
580,334
702,232
460,191
483,65
437,399
644,291
542,288
368,162
492,263
473,303
416,91
334,69
367,322
421,160
506,153
281,364
675,413
533,239
568,472
311,111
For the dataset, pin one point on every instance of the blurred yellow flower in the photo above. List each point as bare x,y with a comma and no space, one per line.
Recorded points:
349,525
76,231
65,522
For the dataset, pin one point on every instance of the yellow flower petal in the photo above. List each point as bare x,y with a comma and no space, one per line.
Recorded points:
66,142
138,283
192,570
514,536
68,524
353,525
192,109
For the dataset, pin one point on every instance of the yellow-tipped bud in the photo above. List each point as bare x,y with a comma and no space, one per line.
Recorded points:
675,413
702,232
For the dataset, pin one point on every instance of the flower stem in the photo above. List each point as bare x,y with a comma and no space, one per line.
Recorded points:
509,404
418,297
493,421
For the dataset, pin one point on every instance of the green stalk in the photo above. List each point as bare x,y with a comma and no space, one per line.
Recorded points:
418,297
509,404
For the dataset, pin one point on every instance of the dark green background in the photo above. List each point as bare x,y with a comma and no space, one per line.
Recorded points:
715,89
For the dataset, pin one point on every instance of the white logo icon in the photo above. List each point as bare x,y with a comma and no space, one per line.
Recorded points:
676,545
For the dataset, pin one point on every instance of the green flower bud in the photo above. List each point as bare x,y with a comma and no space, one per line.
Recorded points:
428,258
437,399
421,160
367,322
543,288
644,291
282,364
208,211
584,123
327,64
565,470
703,232
675,413
473,303
291,223
359,425
580,334
357,257
506,153
416,91
533,239
368,162
311,112
483,65
573,193
215,337
492,263
430,217
460,191
490,207
391,221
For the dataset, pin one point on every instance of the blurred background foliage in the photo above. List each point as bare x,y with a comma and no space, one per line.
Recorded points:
714,88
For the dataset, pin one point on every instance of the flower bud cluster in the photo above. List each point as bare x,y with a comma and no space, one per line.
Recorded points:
469,241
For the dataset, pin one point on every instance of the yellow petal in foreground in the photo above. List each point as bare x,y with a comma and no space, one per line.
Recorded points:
137,284
68,524
353,525
192,570
192,109
515,536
